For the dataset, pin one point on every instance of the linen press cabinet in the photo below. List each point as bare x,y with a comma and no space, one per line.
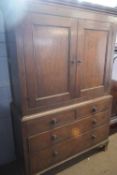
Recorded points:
60,59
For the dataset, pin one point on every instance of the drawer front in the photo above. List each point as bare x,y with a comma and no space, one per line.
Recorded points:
94,107
47,139
59,152
101,118
99,134
46,123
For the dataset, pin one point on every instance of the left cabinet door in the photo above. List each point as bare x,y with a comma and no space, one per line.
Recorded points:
49,44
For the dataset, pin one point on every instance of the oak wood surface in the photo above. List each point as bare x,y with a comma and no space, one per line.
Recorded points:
49,53
92,51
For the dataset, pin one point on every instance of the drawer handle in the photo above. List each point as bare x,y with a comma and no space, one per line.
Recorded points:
54,137
94,109
93,137
79,61
54,121
94,121
55,153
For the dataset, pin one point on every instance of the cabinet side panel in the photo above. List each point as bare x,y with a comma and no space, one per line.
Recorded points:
13,69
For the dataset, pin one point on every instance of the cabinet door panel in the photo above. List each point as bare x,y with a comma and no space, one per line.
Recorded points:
51,61
50,47
94,58
93,51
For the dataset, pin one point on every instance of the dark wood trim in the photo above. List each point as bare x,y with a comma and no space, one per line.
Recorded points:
63,108
113,120
85,5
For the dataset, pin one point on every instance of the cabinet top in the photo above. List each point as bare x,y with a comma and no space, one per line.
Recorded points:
84,5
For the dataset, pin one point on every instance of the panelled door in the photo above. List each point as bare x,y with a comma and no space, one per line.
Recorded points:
95,55
50,53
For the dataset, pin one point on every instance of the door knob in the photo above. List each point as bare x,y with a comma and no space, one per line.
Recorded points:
79,61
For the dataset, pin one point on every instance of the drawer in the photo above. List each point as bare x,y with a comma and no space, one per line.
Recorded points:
94,107
46,123
47,139
59,152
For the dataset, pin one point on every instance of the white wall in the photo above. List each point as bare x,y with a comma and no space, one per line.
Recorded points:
7,153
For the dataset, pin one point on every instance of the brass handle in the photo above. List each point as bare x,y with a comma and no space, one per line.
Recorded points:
76,61
94,121
54,121
94,109
93,137
55,153
54,137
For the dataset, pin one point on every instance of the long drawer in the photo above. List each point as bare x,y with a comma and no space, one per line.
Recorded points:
61,151
51,121
47,139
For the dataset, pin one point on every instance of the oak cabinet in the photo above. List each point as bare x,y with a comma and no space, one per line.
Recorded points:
60,59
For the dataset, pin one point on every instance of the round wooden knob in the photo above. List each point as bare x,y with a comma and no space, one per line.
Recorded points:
93,137
54,121
54,137
94,121
94,109
55,153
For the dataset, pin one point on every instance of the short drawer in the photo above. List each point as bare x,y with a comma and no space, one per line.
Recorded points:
94,107
47,139
59,152
47,123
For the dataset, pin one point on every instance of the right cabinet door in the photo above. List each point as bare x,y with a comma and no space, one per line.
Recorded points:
94,56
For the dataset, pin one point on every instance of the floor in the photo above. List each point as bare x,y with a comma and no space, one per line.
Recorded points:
100,163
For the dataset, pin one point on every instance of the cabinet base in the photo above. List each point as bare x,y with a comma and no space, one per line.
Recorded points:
102,146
